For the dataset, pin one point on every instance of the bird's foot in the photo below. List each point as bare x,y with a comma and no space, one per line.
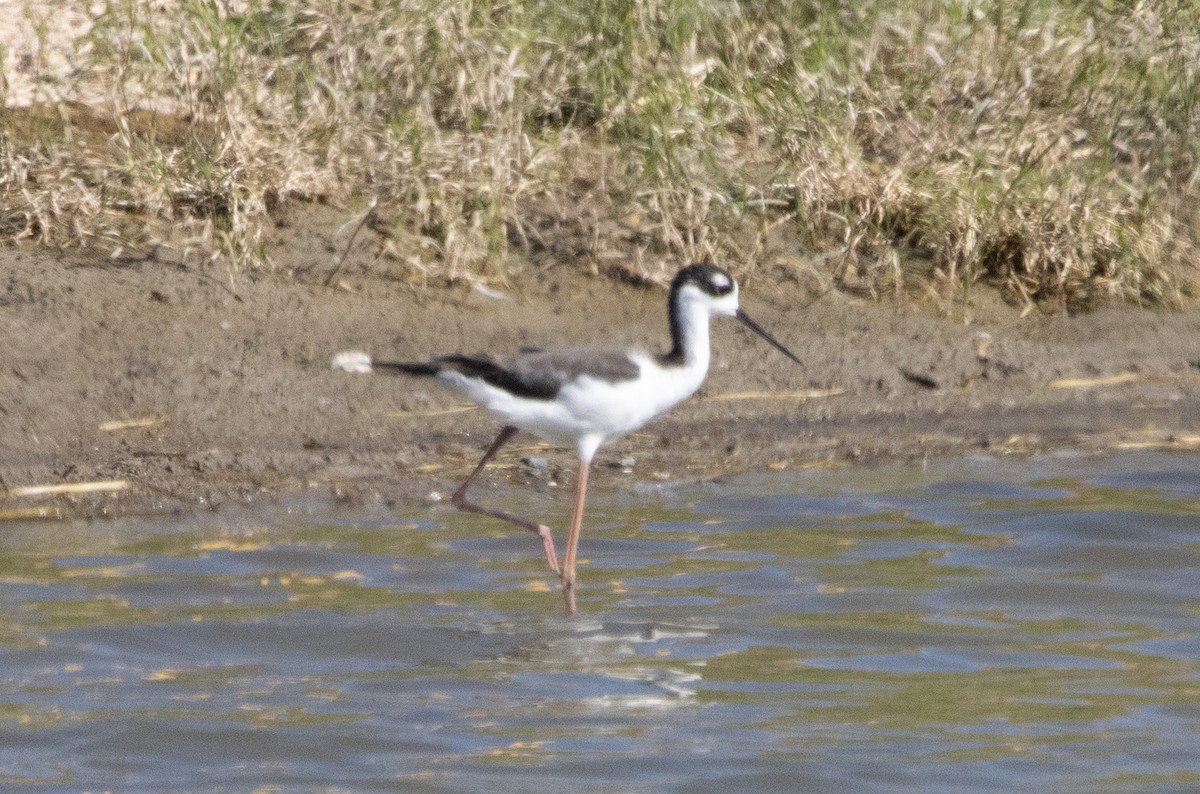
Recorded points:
568,589
543,532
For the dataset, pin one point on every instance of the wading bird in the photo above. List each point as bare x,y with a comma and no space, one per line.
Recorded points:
584,396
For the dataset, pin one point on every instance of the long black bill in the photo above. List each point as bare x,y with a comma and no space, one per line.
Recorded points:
758,329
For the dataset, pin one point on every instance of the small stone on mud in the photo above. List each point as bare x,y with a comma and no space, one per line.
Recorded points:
535,466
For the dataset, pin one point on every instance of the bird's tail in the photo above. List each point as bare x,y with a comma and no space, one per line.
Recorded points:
357,361
424,368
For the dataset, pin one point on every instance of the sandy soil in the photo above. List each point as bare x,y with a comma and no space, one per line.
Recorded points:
229,379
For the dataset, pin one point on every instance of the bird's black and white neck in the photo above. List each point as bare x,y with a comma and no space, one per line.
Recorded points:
698,293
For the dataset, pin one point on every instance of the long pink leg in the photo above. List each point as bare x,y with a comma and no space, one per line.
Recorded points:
568,574
459,500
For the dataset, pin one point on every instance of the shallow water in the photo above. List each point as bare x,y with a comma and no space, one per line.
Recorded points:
981,625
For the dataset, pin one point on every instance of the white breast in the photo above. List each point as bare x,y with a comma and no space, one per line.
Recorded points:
621,407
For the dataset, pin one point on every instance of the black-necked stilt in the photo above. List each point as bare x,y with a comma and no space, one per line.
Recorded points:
583,396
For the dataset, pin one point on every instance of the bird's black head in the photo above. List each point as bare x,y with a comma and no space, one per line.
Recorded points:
706,276
717,292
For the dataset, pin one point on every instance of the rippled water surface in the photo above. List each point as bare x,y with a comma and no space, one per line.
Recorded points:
981,625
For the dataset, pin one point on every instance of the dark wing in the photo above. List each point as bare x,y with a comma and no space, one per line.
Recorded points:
547,372
536,376
480,367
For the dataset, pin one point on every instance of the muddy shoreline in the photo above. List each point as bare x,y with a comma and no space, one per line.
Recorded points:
198,389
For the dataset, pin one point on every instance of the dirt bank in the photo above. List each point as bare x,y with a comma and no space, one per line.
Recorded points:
224,391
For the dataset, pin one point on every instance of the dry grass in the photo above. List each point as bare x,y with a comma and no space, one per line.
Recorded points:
1048,146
